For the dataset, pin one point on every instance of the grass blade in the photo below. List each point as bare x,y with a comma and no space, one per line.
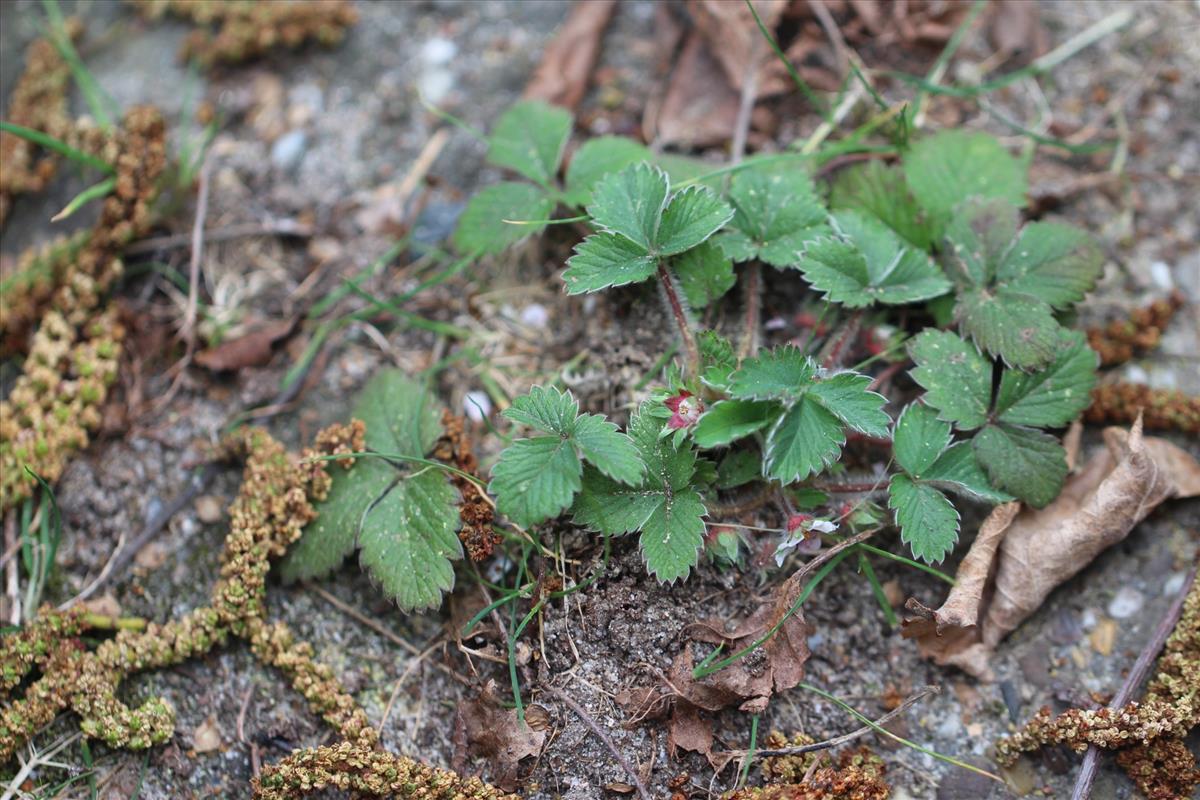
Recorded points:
56,146
89,194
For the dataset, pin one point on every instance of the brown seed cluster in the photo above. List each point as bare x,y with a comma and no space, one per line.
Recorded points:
73,355
38,101
477,533
233,31
1122,339
1150,733
1162,409
857,774
274,504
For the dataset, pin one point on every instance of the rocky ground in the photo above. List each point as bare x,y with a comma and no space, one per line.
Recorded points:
326,138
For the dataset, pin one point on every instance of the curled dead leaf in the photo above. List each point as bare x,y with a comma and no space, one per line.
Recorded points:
496,733
563,75
1022,554
251,349
207,736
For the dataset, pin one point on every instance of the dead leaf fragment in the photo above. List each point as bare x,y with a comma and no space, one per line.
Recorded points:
496,733
700,108
1016,30
1023,554
1104,636
251,349
565,71
207,736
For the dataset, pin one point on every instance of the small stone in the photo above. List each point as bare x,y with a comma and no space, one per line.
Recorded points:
1088,619
207,737
1160,273
151,556
1174,584
961,784
535,315
208,509
1104,636
894,593
477,406
438,51
1125,603
288,150
105,606
1020,777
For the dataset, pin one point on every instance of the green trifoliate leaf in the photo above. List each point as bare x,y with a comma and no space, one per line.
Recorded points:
1029,464
536,479
882,192
665,508
705,274
868,263
920,438
402,516
482,228
692,215
956,377
776,213
928,521
717,360
945,169
603,260
1018,328
958,470
546,409
782,373
609,450
631,203
529,139
845,395
1055,395
805,440
729,420
1011,281
598,157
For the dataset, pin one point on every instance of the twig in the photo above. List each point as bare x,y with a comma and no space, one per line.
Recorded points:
821,12
741,131
1091,759
408,670
241,717
579,710
283,227
837,741
358,616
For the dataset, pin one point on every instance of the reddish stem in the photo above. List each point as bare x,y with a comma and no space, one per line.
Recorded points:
753,310
681,320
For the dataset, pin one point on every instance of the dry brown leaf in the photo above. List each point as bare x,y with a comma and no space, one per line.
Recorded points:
700,108
563,75
1016,30
207,736
689,731
252,349
734,38
1023,554
496,733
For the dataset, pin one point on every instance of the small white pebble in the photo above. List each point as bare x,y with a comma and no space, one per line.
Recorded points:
438,51
1160,272
288,150
775,324
477,406
1173,584
1088,619
1125,603
535,315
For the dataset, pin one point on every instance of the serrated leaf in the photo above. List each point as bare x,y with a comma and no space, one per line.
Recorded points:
928,520
673,536
546,409
804,441
612,452
945,169
665,508
482,228
536,479
598,157
738,468
977,238
729,420
691,216
782,373
776,212
717,360
955,376
1056,263
603,260
407,540
919,439
1053,396
882,192
402,519
631,203
1018,328
1028,463
869,263
958,470
705,274
845,395
529,139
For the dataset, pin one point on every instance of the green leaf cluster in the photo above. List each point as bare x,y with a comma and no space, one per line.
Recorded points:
1016,455
399,514
803,411
538,477
641,223
530,139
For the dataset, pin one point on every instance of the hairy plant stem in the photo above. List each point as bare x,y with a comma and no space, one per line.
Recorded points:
690,348
753,299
